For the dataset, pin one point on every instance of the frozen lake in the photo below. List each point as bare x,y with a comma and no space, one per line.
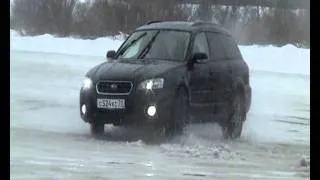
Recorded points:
48,139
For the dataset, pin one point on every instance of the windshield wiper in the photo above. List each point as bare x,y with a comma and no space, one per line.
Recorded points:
131,43
148,47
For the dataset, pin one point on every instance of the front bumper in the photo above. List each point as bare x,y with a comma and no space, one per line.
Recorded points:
135,112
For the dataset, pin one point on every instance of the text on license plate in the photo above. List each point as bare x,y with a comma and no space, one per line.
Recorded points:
111,103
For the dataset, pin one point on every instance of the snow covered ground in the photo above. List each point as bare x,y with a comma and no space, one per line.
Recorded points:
48,140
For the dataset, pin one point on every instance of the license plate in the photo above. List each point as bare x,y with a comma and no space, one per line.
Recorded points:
111,103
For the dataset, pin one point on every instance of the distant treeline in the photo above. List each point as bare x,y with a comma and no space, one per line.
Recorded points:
92,19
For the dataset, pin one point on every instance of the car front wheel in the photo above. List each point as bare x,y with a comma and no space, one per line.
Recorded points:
96,128
180,113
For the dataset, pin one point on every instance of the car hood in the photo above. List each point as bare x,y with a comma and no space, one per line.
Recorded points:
137,71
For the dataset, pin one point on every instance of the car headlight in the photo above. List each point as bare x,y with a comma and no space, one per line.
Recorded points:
87,83
150,84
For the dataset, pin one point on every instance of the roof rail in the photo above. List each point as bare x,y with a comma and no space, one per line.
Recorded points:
151,22
198,23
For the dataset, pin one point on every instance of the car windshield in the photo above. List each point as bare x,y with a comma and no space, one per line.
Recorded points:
155,44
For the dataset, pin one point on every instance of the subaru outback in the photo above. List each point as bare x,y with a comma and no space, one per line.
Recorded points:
167,74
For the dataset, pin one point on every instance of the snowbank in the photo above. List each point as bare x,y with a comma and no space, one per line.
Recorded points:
48,43
286,59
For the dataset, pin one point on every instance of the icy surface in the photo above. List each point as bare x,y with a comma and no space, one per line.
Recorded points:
48,140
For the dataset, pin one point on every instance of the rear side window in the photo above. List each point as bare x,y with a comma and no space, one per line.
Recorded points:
217,51
231,47
223,47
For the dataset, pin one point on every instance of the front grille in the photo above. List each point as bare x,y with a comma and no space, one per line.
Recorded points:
114,87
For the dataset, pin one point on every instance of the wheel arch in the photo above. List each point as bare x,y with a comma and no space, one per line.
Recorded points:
238,87
184,83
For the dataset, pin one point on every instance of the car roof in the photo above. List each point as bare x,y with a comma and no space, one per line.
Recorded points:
184,26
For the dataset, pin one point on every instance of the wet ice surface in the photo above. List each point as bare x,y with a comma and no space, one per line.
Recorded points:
50,141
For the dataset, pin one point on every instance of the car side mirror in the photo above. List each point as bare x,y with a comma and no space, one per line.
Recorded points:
111,54
200,58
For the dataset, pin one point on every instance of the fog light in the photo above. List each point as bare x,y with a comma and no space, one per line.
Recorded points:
83,109
152,110
149,85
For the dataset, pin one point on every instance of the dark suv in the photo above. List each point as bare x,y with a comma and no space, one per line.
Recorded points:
164,74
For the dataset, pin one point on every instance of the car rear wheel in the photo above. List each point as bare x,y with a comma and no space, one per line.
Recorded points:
96,128
233,127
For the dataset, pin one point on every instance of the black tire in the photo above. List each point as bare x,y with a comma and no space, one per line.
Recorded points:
233,127
97,129
180,113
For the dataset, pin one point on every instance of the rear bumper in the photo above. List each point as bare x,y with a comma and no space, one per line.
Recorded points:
248,96
135,112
